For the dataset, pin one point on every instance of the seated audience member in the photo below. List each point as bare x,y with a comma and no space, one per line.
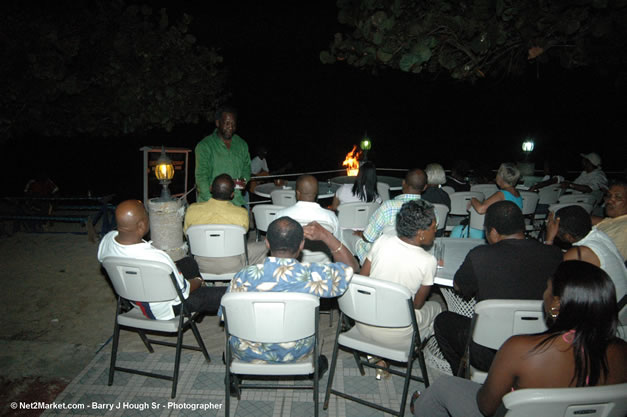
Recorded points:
457,179
404,259
384,219
364,188
434,192
220,210
591,179
615,224
572,225
306,209
127,242
579,349
281,272
506,179
509,267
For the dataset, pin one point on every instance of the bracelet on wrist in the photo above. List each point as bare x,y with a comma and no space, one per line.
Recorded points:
338,249
548,242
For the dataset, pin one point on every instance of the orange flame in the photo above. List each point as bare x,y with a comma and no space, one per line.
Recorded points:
352,162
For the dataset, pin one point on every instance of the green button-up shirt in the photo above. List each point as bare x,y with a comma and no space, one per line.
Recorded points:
214,158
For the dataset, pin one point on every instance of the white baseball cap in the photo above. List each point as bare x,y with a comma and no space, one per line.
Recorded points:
594,158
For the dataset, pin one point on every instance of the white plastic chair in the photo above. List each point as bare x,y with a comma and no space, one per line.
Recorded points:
555,207
377,303
383,189
530,203
449,190
283,198
486,189
495,321
149,281
476,219
217,241
264,215
441,214
355,215
550,194
578,198
598,401
459,205
271,317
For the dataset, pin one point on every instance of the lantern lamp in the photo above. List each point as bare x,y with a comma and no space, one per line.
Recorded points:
164,171
528,145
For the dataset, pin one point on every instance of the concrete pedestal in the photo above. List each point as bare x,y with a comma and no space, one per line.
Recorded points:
166,227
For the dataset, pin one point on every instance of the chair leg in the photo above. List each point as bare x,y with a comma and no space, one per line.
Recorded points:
177,360
336,348
114,350
227,393
362,371
423,368
142,335
199,340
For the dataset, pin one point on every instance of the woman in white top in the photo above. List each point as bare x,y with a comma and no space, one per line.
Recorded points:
363,189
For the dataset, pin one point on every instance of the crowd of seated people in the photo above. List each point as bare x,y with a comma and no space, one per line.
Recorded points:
579,272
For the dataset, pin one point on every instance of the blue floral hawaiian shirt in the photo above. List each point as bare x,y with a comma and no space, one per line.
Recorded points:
288,275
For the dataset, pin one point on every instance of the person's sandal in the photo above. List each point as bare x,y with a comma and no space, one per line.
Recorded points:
382,373
414,397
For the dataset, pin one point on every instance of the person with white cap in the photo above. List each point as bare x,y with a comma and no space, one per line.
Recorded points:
591,179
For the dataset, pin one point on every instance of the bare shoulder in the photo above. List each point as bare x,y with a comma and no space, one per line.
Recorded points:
617,361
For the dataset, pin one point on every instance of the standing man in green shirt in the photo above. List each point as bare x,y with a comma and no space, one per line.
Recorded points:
222,152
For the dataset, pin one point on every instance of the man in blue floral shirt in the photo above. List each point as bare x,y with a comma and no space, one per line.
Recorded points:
282,272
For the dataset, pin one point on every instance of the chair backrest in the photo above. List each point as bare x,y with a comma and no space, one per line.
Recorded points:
530,202
140,280
355,215
270,317
550,194
578,198
486,189
264,215
449,190
599,401
476,219
383,189
496,320
460,201
441,212
216,240
555,207
283,198
315,250
376,302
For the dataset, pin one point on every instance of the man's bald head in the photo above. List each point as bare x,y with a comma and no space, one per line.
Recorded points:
132,221
415,181
306,188
223,187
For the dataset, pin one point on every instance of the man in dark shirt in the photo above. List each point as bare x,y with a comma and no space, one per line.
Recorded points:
510,267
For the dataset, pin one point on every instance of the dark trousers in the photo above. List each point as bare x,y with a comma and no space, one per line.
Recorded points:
451,332
204,300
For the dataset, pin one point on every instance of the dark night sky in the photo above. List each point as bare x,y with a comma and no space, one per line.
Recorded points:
312,113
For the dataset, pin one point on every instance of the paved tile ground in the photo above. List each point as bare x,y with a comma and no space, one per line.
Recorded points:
201,387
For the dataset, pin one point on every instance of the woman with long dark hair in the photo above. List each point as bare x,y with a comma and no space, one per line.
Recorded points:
364,188
579,349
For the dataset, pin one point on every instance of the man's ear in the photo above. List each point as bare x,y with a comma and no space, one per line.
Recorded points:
267,243
217,122
302,245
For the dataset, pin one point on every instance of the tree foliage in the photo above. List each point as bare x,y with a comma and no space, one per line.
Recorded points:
102,68
471,39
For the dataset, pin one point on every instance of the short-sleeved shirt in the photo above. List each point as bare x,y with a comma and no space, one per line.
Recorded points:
616,229
509,269
382,219
145,251
214,158
307,211
215,212
345,195
257,165
610,259
596,180
286,275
